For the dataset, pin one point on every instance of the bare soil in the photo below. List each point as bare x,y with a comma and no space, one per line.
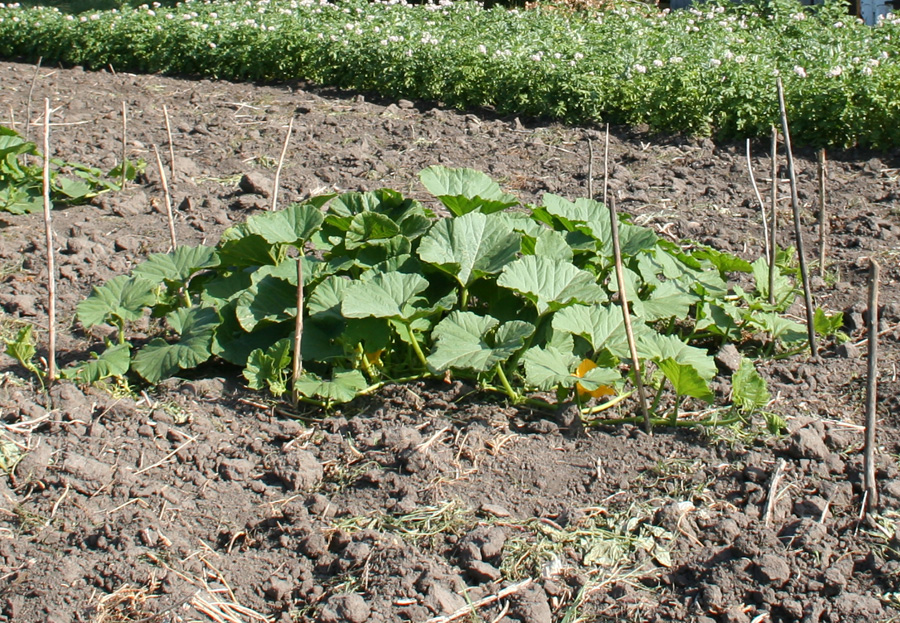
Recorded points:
196,501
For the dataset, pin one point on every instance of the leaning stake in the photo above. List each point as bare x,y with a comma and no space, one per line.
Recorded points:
773,233
798,232
171,143
298,334
626,315
124,144
287,139
165,185
762,204
51,265
823,216
871,388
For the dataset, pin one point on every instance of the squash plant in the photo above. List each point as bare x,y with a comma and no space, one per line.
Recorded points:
519,298
21,184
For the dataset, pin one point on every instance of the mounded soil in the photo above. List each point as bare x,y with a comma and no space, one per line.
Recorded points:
197,501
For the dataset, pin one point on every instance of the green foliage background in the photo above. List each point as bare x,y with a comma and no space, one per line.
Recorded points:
708,70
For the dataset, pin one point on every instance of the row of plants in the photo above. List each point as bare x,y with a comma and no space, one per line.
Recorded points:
22,185
520,299
707,70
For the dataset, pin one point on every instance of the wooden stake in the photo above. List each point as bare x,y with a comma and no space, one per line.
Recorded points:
591,169
171,144
165,185
762,205
823,216
124,144
287,139
773,234
606,164
51,264
798,230
626,315
872,389
298,335
37,68
773,492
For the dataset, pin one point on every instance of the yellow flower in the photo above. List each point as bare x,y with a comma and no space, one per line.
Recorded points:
584,367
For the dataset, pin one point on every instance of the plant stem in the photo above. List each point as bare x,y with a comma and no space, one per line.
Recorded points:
418,349
607,405
506,386
665,422
674,417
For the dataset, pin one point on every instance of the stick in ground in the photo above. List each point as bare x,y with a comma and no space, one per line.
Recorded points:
798,230
823,216
298,334
51,265
165,185
626,315
871,389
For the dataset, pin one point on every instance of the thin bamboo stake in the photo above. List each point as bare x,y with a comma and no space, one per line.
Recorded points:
165,185
762,204
823,216
298,335
773,234
12,118
124,144
590,169
37,69
51,265
872,389
171,143
626,315
798,231
606,164
287,139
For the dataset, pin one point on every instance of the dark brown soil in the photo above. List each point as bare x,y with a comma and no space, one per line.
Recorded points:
194,501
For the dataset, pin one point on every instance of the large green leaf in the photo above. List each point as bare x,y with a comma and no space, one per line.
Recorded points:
667,300
160,359
113,362
784,290
603,327
270,300
243,249
661,347
748,388
344,386
267,368
294,225
388,295
550,284
465,190
370,228
121,297
549,368
177,266
468,341
685,380
470,246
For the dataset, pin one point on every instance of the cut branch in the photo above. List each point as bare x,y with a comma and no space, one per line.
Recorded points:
626,315
798,230
872,389
51,264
